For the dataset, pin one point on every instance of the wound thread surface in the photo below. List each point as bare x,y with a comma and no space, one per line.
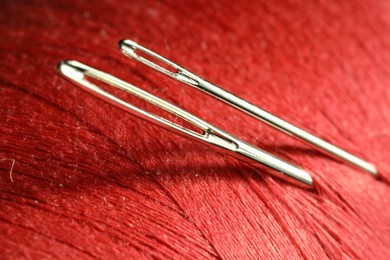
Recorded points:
94,182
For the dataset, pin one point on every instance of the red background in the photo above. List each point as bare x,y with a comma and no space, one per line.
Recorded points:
93,182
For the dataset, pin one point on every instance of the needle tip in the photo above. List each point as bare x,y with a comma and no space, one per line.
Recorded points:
371,169
304,178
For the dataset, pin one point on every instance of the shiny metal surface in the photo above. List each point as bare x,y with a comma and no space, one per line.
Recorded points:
78,73
179,73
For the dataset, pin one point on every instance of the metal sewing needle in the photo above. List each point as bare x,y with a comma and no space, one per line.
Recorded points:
179,73
79,73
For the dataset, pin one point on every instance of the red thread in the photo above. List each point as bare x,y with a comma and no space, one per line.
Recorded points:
93,182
